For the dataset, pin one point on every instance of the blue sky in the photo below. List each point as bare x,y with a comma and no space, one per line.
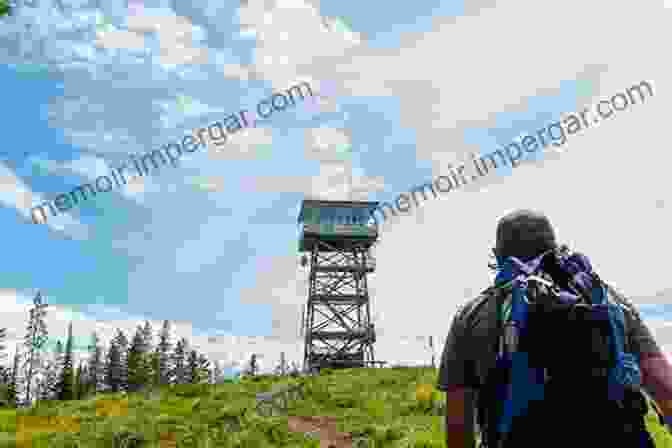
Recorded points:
222,256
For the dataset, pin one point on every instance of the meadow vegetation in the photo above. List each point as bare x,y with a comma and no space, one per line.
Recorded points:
392,407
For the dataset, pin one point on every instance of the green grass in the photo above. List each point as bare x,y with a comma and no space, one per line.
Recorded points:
378,404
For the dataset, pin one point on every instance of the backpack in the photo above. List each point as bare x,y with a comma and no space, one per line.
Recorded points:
562,376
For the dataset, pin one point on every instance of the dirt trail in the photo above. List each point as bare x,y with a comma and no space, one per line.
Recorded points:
323,428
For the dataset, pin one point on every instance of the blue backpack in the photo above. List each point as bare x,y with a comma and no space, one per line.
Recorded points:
562,376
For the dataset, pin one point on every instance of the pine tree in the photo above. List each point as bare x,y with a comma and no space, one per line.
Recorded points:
147,337
281,368
3,347
85,382
155,370
179,373
147,355
122,344
252,366
5,372
163,349
192,367
294,370
67,381
34,342
138,369
197,367
82,381
95,364
78,383
218,373
59,356
113,368
12,390
203,368
5,375
49,390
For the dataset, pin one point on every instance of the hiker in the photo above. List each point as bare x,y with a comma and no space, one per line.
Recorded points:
568,384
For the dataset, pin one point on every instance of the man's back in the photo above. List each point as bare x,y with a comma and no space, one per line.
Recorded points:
470,347
470,353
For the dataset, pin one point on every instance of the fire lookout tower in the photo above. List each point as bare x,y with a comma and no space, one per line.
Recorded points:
338,236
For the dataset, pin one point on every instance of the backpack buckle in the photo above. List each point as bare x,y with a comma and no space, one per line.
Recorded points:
541,287
543,281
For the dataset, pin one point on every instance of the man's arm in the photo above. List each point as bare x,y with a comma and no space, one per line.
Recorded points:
453,380
460,418
655,367
657,380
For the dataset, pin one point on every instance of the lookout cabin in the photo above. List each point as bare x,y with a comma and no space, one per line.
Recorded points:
336,222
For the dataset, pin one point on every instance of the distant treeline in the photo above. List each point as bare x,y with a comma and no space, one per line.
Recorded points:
43,368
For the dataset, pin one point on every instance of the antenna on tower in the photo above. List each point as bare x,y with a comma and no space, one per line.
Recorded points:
431,347
283,364
303,320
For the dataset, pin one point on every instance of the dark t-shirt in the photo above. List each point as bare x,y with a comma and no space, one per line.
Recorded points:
470,351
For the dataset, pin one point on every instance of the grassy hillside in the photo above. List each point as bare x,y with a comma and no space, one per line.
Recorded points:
388,407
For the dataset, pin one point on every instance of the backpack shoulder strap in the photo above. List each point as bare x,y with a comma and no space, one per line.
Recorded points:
487,296
614,297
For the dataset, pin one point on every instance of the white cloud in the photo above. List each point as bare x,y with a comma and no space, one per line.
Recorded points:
208,183
178,53
138,188
236,71
90,167
608,190
293,29
242,145
323,143
16,194
111,38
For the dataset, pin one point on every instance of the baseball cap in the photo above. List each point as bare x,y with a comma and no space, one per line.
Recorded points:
524,234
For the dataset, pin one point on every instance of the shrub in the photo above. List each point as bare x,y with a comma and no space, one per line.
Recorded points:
277,433
169,420
427,442
61,440
375,408
252,439
394,433
191,390
345,402
424,393
128,439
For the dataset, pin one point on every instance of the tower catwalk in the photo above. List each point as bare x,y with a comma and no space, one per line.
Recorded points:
338,237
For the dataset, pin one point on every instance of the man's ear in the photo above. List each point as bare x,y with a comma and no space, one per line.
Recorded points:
493,264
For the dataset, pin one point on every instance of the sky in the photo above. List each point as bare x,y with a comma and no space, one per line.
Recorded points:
402,93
